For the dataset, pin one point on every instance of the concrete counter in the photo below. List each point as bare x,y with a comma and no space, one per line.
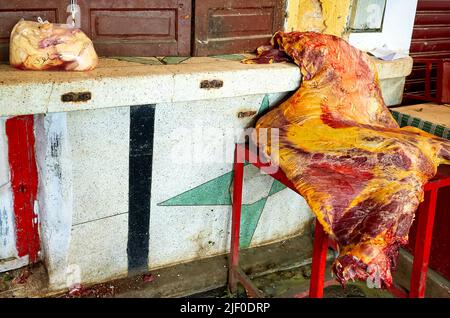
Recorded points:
118,83
139,176
142,81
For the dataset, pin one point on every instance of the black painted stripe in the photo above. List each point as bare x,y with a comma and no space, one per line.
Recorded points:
142,122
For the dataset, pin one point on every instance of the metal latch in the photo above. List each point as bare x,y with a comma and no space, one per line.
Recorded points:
211,84
76,97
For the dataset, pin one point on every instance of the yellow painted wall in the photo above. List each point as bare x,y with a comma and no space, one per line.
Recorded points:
325,16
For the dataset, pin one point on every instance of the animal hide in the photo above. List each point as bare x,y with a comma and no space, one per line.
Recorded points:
360,173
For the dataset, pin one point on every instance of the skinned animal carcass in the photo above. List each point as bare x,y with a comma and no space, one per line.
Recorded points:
48,46
360,173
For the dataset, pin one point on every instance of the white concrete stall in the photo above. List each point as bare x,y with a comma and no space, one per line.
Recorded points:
89,162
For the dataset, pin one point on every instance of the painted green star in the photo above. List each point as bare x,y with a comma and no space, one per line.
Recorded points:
217,192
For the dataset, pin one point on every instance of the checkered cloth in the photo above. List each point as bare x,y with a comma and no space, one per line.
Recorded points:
432,128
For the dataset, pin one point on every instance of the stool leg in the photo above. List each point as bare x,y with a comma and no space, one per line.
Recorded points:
423,244
319,260
235,221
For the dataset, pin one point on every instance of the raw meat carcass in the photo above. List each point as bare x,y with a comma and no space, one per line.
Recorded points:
46,46
360,173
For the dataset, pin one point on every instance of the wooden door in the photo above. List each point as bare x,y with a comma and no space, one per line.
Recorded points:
158,27
138,27
431,38
118,28
233,26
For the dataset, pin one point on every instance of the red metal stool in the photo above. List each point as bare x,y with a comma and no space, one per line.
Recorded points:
321,243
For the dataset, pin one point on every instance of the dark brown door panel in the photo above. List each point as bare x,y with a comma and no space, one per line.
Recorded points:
157,27
139,27
233,26
431,38
117,27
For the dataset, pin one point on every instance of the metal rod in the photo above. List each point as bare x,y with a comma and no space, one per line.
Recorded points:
238,180
251,289
423,244
320,248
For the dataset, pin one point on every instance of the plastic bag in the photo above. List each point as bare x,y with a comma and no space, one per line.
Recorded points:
49,46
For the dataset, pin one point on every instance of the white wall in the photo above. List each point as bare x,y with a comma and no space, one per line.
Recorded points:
397,28
55,195
83,190
7,229
9,258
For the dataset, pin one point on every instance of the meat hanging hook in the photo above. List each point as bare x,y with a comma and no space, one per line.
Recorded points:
73,3
75,15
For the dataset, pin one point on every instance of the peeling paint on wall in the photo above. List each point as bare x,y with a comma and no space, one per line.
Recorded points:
324,16
305,15
55,194
7,236
24,183
7,227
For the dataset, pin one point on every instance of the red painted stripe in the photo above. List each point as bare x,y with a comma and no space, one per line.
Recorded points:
24,183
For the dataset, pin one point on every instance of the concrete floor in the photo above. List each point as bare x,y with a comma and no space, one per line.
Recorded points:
291,283
281,270
279,284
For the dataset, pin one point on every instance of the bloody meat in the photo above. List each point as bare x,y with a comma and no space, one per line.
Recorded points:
360,173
